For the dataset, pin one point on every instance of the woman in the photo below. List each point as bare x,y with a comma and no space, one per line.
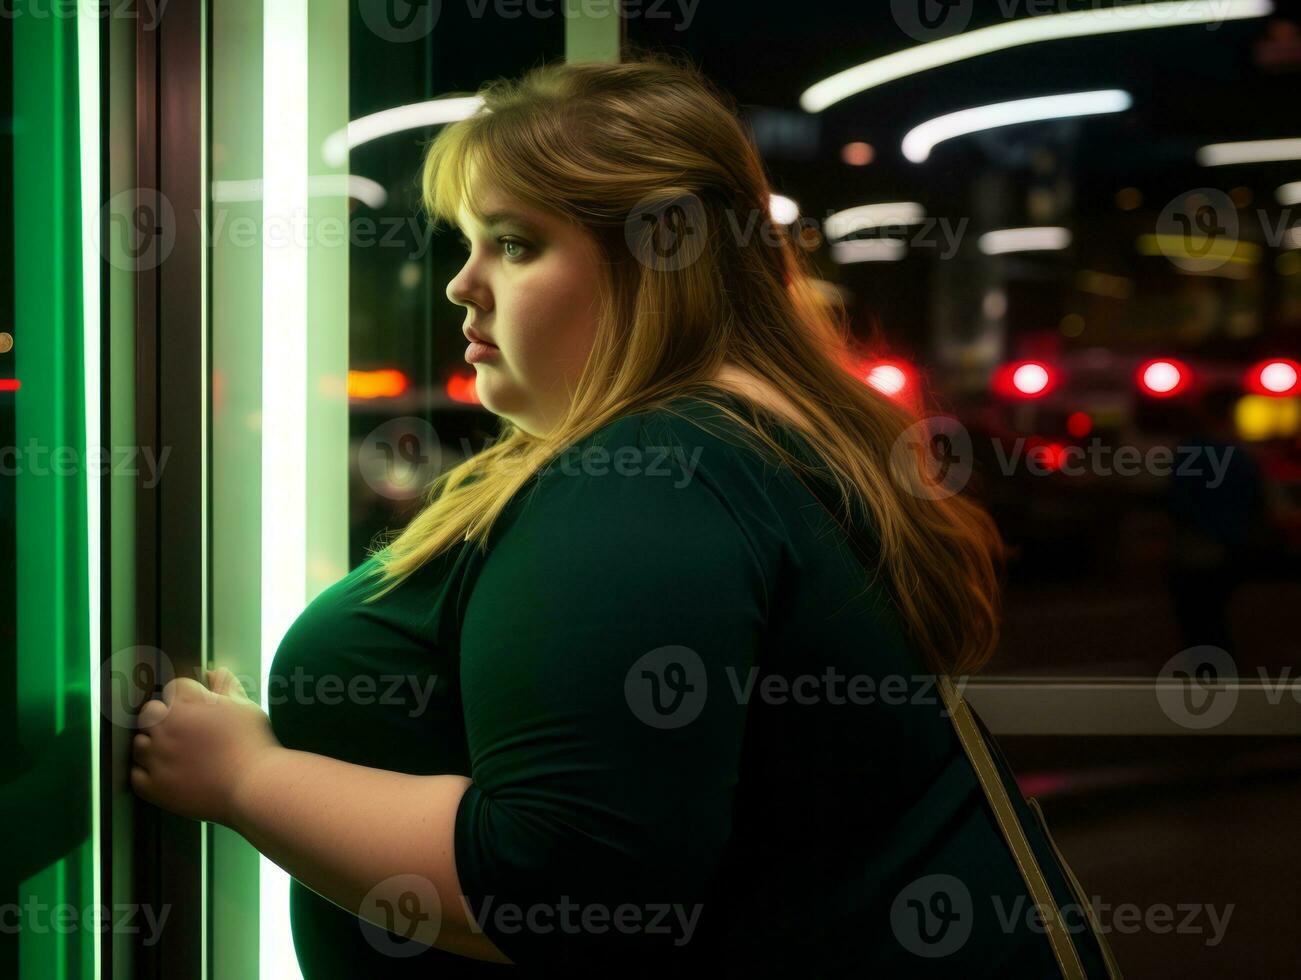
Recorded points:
664,651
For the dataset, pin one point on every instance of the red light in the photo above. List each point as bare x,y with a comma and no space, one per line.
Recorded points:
1078,424
10,384
1048,455
857,154
890,377
1278,377
1024,379
1163,377
1030,379
460,388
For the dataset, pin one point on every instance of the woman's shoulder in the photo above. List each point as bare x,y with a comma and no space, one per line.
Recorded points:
681,470
687,441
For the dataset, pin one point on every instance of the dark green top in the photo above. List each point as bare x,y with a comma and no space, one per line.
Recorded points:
699,741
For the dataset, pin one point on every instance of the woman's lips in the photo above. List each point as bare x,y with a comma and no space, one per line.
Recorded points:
478,351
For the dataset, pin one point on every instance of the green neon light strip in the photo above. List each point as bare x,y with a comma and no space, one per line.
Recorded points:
51,301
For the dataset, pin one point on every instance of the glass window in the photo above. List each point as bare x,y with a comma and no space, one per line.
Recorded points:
49,529
1103,298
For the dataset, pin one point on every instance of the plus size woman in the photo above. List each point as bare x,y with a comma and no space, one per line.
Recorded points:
649,684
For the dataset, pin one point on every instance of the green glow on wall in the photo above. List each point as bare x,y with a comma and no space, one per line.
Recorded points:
56,306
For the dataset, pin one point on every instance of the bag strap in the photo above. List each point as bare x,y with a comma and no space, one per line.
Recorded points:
996,793
1077,890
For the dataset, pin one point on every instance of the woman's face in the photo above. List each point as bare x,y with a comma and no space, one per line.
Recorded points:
529,288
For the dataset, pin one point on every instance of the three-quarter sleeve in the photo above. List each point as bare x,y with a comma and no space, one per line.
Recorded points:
607,650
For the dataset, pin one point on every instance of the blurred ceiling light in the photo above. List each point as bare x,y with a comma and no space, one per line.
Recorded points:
1024,240
865,216
1024,30
857,154
1249,151
365,190
1289,193
868,250
920,140
435,112
1293,237
783,210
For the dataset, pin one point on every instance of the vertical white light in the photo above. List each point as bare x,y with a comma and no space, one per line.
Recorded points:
88,26
284,389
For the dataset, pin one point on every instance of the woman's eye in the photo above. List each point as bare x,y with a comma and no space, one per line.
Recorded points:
513,248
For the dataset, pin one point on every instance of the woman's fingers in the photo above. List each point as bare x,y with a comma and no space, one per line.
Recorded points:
223,681
152,712
140,752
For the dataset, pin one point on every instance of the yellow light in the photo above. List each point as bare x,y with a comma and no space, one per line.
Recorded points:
1259,417
386,383
1228,250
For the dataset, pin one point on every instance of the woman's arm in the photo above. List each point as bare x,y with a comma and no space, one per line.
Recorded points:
374,842
602,650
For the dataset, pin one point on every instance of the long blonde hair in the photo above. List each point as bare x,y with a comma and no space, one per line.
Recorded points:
600,143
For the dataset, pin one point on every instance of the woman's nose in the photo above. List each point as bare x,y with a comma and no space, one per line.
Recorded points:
467,288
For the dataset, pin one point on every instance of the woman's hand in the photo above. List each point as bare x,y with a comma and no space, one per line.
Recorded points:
197,743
